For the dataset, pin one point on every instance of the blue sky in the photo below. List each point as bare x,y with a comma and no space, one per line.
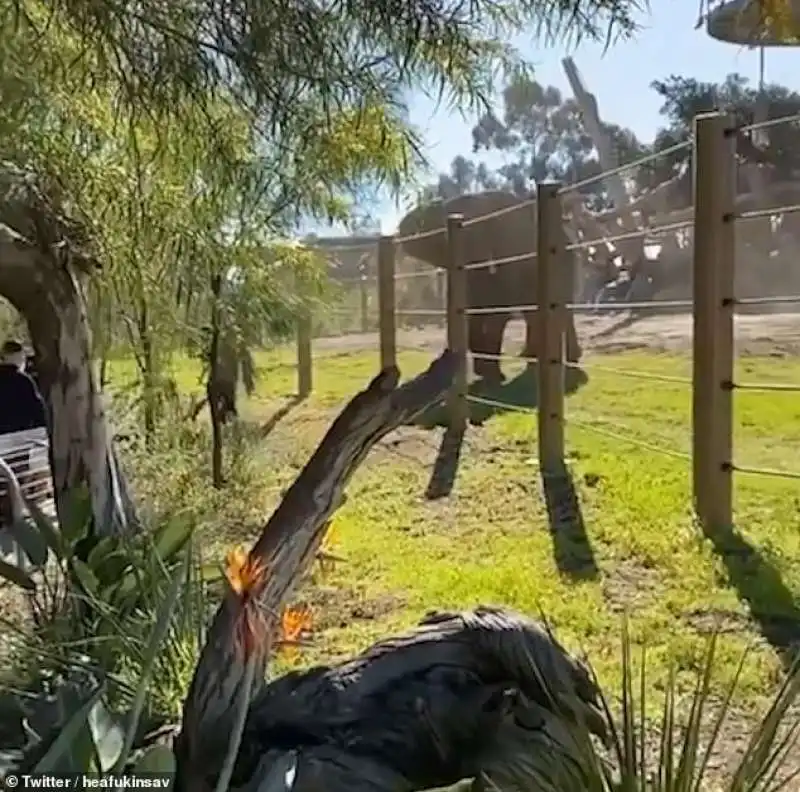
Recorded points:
620,79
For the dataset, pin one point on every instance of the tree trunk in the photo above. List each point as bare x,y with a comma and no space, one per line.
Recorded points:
41,266
149,379
214,386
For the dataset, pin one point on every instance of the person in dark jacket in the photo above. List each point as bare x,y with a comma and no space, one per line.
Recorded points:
21,405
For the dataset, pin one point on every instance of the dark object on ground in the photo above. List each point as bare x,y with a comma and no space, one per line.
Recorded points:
242,634
486,694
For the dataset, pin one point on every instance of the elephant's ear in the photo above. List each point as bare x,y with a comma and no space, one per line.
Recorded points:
420,220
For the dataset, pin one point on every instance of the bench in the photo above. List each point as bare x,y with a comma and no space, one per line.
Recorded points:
27,456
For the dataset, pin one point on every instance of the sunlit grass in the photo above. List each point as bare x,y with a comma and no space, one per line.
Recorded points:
489,542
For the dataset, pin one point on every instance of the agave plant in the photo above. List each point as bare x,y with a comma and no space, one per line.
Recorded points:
674,754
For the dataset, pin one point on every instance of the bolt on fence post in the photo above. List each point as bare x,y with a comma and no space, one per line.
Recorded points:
457,336
550,273
304,357
387,326
713,356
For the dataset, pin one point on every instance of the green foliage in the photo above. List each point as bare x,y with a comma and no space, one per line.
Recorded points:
542,136
82,717
291,66
102,594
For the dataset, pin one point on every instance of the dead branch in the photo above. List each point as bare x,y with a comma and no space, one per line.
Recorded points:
246,621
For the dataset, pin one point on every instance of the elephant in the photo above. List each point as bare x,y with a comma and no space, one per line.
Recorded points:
510,234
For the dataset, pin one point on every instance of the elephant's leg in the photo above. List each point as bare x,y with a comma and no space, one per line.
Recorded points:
531,348
486,338
573,350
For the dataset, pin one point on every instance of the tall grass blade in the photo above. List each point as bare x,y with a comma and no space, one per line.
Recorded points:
666,763
719,721
759,756
687,765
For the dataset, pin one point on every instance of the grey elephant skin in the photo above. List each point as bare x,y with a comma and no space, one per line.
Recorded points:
510,234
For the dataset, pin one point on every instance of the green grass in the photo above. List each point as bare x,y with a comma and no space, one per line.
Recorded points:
489,540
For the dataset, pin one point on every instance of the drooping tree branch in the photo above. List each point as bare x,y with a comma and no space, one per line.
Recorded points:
247,618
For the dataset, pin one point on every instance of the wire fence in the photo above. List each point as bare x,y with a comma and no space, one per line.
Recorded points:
557,276
557,266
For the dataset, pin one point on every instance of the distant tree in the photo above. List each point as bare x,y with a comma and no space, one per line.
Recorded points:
685,97
541,135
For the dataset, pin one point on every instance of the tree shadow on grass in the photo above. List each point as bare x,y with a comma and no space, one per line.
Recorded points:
443,475
773,607
571,547
268,427
252,431
520,393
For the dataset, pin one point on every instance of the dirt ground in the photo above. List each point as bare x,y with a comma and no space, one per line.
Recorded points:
769,334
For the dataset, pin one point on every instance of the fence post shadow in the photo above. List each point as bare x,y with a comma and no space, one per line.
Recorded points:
756,579
445,467
572,549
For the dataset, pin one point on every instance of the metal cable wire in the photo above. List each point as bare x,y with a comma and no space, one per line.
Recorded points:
530,256
419,235
682,455
753,471
420,312
413,348
575,186
767,387
637,234
643,375
490,356
626,306
789,299
580,424
347,248
499,213
778,210
771,122
422,274
502,405
500,309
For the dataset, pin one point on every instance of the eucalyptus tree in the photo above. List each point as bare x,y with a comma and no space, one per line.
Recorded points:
290,107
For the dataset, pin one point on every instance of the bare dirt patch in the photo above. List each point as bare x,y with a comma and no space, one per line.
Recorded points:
768,334
628,584
339,607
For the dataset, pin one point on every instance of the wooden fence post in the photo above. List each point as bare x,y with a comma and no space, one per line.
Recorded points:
304,361
457,337
713,274
551,262
363,285
386,309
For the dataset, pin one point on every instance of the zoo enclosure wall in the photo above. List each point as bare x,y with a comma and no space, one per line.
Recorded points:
715,222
